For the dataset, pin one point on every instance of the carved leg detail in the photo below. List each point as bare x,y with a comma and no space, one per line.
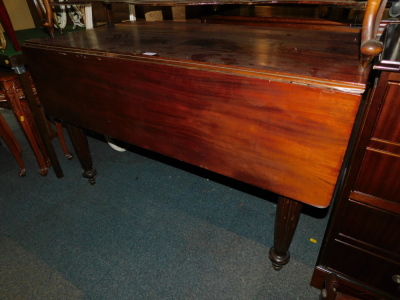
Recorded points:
40,122
27,123
12,143
81,146
287,217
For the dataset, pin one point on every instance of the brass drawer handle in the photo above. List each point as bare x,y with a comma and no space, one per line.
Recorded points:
396,278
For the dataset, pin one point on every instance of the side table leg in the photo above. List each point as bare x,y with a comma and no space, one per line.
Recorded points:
25,119
81,146
40,122
12,143
287,216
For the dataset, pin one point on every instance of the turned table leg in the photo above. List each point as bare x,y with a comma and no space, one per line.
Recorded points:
81,146
287,216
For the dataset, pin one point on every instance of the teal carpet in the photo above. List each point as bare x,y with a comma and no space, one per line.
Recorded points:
150,228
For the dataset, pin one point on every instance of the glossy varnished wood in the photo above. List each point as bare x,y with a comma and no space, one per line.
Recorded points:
15,99
269,107
40,121
218,101
362,245
316,58
369,48
8,136
287,216
297,23
380,170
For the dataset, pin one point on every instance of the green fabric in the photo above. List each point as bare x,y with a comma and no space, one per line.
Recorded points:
28,34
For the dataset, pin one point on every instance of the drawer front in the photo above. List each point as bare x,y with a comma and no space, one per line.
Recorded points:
372,270
376,227
379,175
388,125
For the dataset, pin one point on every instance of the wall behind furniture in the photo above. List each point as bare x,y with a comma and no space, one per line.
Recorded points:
20,15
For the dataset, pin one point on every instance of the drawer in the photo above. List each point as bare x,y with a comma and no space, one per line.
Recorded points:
388,125
379,175
366,267
373,226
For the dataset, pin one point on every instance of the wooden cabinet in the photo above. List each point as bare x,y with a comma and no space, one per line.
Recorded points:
361,251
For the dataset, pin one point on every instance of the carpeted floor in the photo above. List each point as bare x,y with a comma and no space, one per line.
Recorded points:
150,228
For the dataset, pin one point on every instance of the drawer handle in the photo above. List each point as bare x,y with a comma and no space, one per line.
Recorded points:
396,278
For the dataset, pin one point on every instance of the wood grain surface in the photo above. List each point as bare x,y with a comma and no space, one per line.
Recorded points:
273,131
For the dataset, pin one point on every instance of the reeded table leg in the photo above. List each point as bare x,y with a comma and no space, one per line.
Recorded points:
287,217
81,146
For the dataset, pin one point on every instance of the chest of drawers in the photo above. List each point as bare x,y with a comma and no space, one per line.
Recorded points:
361,252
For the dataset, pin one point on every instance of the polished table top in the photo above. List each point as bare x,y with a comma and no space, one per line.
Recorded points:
314,57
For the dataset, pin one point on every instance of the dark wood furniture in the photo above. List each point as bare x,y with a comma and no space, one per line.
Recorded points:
12,143
18,86
10,98
13,97
297,23
370,46
273,107
361,252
